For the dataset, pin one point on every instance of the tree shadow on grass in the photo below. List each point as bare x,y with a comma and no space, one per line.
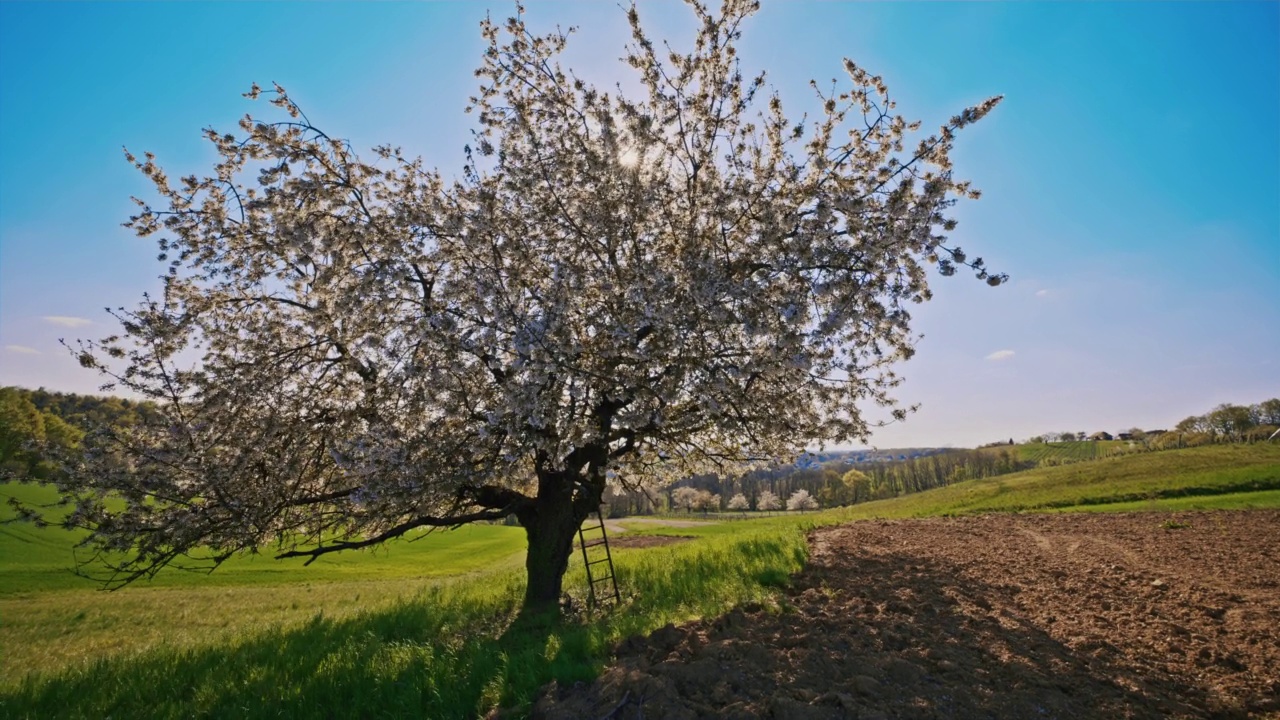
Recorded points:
453,652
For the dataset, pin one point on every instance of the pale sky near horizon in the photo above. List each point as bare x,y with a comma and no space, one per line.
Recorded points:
1131,178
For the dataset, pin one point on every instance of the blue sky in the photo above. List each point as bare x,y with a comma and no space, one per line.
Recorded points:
1131,178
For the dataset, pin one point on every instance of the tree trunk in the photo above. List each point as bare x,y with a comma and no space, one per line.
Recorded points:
550,522
550,535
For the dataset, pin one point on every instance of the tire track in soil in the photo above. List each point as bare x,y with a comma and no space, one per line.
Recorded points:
997,616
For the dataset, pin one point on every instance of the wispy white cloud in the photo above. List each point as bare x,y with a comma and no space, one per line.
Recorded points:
1000,355
1042,293
22,349
67,320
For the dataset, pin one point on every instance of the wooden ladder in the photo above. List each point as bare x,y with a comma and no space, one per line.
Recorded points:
600,575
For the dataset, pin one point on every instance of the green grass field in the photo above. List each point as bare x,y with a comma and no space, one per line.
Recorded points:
425,628
39,559
1218,470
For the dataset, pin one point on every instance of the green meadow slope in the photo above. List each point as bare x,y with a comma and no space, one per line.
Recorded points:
38,559
1209,477
426,628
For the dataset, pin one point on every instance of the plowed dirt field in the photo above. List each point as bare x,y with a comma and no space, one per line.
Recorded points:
1138,615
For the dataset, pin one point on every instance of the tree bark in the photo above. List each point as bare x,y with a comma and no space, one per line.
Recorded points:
550,522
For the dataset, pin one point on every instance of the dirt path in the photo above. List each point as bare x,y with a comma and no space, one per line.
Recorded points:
1002,616
619,539
619,525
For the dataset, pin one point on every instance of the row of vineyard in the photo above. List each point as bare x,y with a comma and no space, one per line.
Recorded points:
1061,453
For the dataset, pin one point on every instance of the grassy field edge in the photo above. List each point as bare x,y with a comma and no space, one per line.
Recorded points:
439,647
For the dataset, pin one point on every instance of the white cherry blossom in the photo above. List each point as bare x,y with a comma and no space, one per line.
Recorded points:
616,287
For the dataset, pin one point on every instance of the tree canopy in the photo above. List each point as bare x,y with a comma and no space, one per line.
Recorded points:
349,347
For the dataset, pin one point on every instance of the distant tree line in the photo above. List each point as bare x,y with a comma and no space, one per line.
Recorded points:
1224,423
1232,423
1049,437
831,484
915,475
37,425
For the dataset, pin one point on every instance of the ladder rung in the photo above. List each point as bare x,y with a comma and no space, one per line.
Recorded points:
598,597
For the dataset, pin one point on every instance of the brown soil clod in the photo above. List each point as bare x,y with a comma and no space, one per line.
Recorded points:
995,616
